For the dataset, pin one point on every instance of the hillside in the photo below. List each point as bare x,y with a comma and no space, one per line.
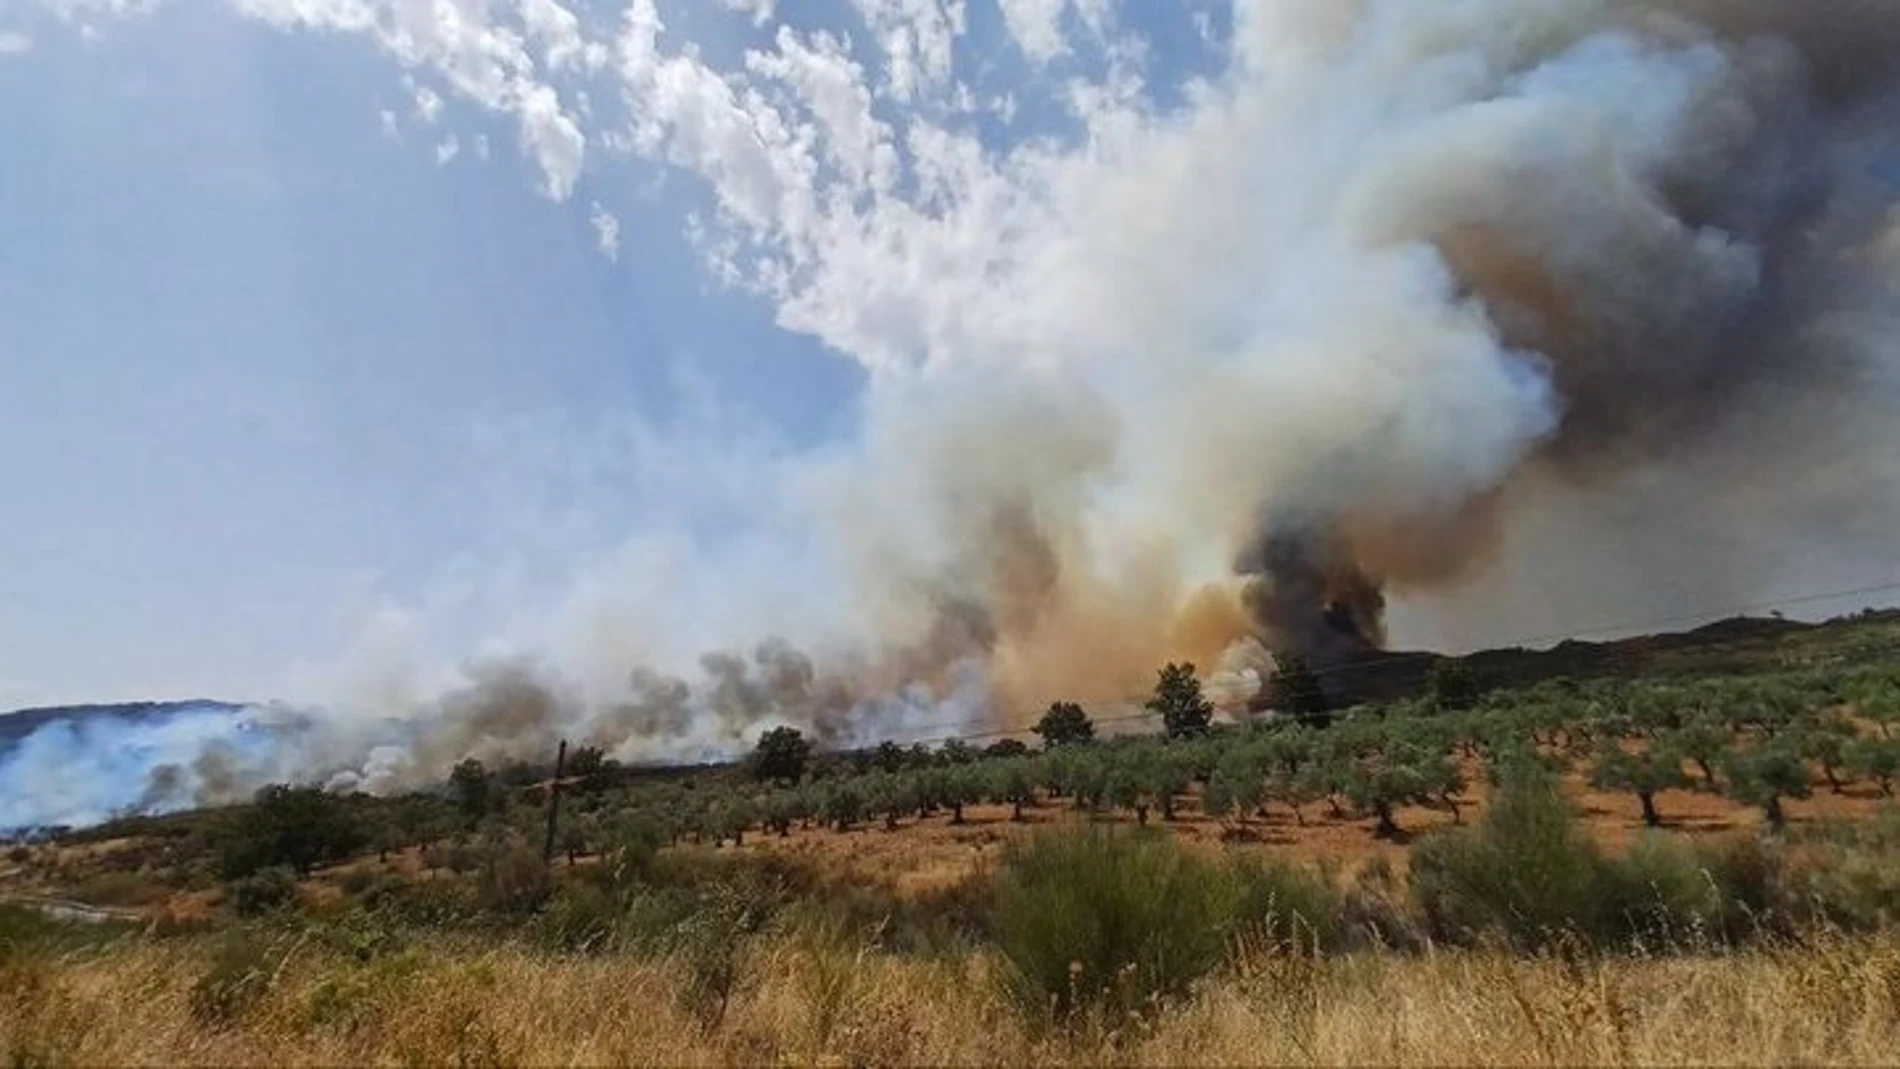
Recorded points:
20,723
1738,644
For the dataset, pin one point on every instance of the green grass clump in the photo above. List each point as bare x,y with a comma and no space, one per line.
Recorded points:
1107,921
238,977
1527,874
1287,907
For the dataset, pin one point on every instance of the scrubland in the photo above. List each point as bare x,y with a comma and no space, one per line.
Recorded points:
1685,869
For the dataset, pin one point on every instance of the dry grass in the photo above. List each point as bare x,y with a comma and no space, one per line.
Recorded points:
807,1001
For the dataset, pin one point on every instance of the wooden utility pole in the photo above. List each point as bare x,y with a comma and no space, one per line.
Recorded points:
554,802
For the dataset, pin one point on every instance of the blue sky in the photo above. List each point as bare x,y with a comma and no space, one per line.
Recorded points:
269,358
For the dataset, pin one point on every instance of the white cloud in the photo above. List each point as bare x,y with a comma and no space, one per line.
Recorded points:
447,149
918,38
428,104
1037,27
14,42
606,231
476,54
553,138
761,11
831,85
386,119
558,31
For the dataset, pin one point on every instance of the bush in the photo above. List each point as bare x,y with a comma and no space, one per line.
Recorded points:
127,889
515,880
356,881
358,935
1288,908
27,932
582,917
437,903
1676,894
262,891
1095,919
1850,878
710,945
354,995
237,979
1525,872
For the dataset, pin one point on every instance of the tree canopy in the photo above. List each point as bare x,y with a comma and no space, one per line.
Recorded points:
1294,689
1065,724
782,755
1184,710
301,827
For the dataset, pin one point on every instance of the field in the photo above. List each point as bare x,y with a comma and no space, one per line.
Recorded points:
1683,852
806,1005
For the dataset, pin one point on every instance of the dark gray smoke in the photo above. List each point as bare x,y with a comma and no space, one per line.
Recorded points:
1671,281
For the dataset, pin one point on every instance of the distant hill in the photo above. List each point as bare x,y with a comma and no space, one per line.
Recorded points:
19,724
1740,644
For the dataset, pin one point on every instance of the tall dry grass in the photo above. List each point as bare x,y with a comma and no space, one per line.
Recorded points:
821,998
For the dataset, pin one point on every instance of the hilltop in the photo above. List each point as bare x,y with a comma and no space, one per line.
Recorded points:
20,723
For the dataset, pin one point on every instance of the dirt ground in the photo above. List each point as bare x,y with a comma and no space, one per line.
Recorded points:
930,853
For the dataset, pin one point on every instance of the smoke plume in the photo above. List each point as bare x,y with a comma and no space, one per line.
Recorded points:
1405,298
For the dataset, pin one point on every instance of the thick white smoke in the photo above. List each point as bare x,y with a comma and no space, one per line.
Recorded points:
1400,299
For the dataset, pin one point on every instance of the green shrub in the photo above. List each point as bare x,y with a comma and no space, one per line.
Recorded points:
23,929
356,881
1095,919
1673,893
940,922
262,892
582,917
238,978
353,994
1849,877
710,945
1287,907
1527,874
433,903
358,935
126,889
27,932
514,880
654,916
1524,872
